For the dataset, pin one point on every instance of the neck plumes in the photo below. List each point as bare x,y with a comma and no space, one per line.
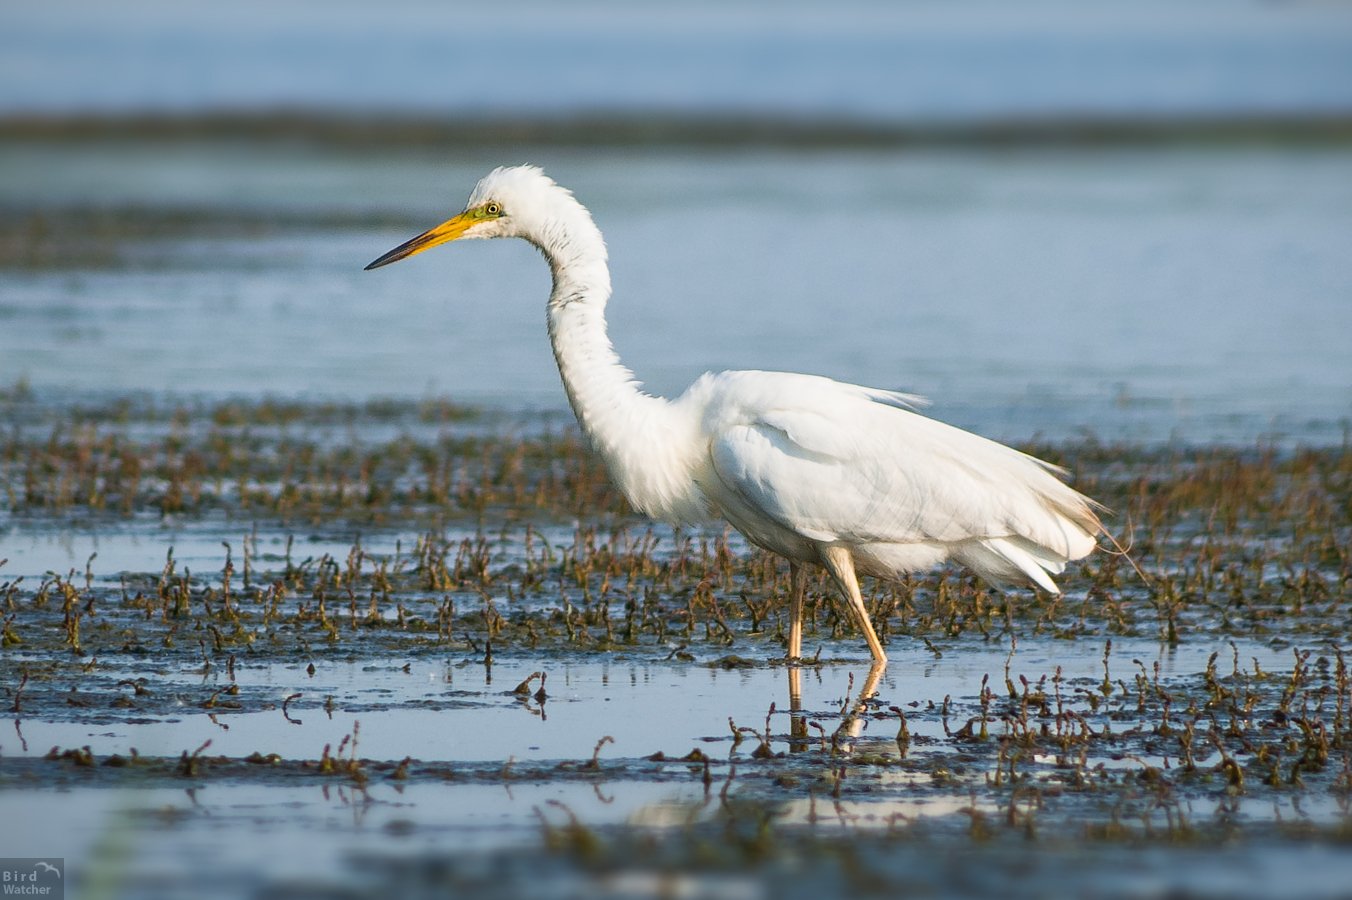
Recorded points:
648,444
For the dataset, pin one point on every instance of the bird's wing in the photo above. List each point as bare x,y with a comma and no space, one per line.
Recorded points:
837,463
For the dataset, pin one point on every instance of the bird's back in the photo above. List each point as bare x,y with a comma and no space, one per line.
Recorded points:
798,462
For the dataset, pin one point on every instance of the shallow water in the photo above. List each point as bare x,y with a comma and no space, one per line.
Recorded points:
506,758
1197,294
270,748
255,832
458,709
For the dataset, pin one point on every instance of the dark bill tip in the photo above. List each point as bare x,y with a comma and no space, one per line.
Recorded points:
446,231
394,255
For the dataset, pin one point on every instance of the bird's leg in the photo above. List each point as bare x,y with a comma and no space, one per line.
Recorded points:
840,564
797,584
797,721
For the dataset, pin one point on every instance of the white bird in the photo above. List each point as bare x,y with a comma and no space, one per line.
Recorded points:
820,472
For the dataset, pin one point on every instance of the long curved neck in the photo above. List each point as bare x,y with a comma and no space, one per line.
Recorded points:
603,393
641,437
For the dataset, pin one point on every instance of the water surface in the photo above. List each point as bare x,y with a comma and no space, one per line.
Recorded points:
925,61
1198,293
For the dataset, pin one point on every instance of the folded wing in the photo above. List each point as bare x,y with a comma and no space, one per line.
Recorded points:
837,464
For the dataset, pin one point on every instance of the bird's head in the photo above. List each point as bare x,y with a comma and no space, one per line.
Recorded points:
514,201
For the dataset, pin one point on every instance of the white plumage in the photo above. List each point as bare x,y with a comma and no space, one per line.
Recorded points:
820,472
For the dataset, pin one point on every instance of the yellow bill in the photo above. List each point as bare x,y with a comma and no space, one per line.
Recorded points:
446,231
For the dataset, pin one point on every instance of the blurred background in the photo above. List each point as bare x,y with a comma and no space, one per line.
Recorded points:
1129,219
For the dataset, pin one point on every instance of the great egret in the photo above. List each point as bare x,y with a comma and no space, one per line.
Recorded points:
823,473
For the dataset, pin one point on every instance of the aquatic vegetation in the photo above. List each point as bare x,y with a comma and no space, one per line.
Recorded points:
341,571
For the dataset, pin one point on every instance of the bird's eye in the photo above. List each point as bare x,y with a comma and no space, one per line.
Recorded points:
493,209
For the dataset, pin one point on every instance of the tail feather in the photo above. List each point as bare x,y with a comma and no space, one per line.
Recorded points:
1009,560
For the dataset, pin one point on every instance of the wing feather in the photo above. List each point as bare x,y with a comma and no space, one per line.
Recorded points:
832,462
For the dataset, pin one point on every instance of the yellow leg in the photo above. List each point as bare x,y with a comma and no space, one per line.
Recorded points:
841,566
797,721
797,584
